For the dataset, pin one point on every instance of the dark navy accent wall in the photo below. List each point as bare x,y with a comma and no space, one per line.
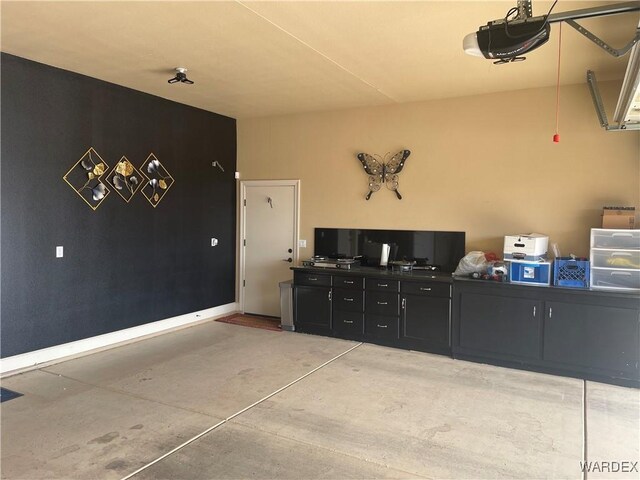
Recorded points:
125,264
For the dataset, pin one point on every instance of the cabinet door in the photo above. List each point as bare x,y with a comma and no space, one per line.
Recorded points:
500,324
592,336
313,306
425,319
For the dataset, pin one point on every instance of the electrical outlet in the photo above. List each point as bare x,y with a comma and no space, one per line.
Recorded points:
59,252
214,242
302,243
236,175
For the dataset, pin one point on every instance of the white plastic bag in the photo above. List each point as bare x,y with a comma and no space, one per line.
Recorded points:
472,262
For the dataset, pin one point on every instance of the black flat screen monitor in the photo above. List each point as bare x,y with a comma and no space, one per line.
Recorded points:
442,249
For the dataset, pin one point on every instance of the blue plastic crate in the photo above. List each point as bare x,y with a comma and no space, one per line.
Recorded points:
568,272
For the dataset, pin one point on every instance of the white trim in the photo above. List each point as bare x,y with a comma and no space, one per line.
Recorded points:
36,359
296,227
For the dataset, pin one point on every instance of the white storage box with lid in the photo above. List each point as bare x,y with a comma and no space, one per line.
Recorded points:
615,259
526,246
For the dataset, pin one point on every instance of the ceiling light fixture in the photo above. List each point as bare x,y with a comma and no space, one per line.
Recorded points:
181,76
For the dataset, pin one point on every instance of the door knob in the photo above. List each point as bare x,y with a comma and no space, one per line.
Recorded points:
287,259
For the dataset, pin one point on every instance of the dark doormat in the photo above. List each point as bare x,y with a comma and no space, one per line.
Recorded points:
6,394
254,321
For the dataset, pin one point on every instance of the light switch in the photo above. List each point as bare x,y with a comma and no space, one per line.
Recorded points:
302,243
214,242
59,252
236,175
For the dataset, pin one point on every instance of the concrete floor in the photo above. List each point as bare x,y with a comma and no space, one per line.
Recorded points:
374,412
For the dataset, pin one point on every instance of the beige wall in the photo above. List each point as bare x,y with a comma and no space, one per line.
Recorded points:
485,165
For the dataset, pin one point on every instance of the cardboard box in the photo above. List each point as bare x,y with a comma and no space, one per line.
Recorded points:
618,217
525,246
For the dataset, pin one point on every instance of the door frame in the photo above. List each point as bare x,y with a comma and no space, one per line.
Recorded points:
243,217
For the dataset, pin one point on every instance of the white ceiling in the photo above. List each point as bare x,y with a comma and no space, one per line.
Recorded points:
253,59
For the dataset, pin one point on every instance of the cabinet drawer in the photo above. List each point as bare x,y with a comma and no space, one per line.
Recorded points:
433,289
616,258
382,303
348,322
381,326
382,285
311,279
615,279
605,238
348,300
348,282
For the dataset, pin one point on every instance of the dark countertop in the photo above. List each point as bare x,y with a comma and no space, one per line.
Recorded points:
568,290
421,275
380,272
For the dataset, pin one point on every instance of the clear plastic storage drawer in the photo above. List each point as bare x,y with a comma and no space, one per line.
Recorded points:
605,238
626,279
616,258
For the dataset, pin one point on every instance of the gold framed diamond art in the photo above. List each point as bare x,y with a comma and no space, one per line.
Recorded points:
125,179
85,178
158,180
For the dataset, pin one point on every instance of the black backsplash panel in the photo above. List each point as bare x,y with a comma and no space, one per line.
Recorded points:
125,264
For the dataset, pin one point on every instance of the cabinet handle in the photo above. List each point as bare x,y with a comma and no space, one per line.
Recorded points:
383,303
550,312
425,289
329,295
383,284
534,310
349,282
404,302
348,299
347,321
382,326
312,279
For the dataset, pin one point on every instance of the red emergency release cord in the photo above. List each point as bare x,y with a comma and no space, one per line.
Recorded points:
556,137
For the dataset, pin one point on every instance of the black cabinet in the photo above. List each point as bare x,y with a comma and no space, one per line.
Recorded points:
382,310
312,302
499,324
575,332
399,310
382,303
312,308
348,306
348,324
425,320
381,327
603,338
425,315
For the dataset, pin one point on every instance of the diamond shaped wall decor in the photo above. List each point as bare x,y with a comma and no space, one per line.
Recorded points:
125,179
158,180
85,177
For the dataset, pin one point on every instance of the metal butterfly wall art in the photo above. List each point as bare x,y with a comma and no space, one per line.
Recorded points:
383,171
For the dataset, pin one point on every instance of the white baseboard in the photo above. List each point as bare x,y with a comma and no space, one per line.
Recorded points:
38,358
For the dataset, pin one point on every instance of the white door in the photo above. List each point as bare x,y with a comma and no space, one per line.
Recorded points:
269,242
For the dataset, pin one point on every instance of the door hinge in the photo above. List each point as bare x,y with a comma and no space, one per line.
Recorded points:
245,202
244,242
244,283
